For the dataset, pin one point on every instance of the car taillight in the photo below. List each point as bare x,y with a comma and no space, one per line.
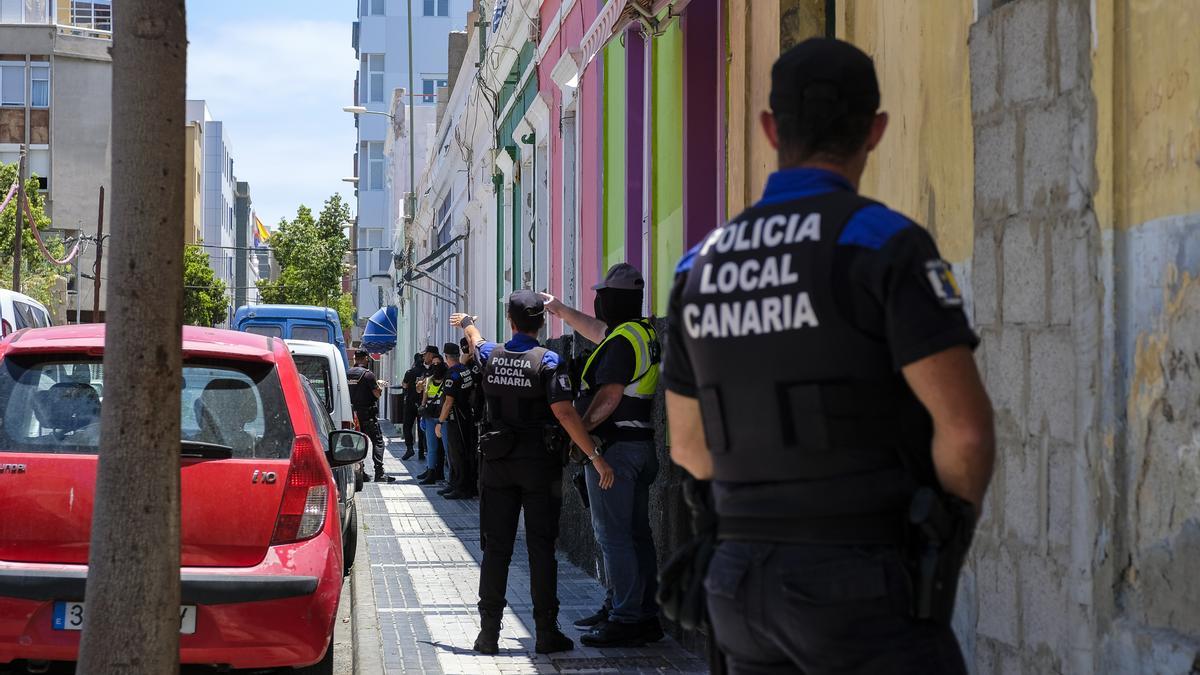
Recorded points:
305,495
347,424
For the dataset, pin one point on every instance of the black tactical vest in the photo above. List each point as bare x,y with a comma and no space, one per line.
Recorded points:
362,395
789,389
512,385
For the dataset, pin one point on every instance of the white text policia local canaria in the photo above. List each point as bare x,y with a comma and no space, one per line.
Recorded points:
760,316
508,372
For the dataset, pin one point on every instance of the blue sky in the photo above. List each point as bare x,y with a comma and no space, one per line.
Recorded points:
278,72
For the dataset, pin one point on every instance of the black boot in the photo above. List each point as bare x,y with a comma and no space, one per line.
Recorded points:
488,641
407,455
381,477
549,638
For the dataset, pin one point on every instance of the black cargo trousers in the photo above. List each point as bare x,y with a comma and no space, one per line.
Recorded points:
368,421
531,480
818,609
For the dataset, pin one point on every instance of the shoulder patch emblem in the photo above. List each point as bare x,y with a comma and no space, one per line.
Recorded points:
564,381
943,283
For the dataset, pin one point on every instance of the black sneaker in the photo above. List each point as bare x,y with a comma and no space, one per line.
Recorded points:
446,490
383,478
551,641
423,475
455,494
592,621
407,455
428,480
614,634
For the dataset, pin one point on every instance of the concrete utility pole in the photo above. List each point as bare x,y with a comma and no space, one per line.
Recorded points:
131,624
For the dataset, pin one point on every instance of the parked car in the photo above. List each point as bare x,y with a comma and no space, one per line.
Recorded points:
293,322
262,551
321,364
18,311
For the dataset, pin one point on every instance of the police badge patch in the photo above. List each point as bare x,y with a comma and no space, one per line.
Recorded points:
564,382
944,285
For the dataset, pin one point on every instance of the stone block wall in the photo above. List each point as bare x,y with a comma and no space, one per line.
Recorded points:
1027,597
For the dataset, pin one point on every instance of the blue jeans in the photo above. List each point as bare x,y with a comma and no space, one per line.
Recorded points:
621,520
433,444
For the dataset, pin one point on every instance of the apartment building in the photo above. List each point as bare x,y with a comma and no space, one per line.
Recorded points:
381,40
54,59
219,186
193,183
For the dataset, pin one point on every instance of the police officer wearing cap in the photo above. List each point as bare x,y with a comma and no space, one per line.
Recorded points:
846,477
456,426
364,399
618,384
527,390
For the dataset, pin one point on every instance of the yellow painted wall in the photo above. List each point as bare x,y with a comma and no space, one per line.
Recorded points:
193,199
1154,65
925,165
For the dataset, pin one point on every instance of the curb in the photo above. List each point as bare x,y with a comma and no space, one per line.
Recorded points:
368,644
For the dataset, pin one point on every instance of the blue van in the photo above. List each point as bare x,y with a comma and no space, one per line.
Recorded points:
293,322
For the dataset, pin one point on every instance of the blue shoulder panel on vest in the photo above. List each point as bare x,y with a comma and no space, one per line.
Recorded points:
685,263
485,350
872,227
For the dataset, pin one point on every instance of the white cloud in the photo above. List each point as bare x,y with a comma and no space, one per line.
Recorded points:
280,87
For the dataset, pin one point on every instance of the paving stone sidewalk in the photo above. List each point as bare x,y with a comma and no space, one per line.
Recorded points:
424,566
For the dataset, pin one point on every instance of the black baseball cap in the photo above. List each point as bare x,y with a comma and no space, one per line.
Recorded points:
451,349
526,302
824,71
360,353
430,349
622,276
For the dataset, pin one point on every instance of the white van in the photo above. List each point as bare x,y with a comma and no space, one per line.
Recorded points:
18,311
322,364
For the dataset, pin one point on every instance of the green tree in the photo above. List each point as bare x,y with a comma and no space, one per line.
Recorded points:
204,301
311,253
38,275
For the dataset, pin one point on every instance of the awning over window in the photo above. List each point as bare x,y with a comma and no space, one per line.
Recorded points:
380,335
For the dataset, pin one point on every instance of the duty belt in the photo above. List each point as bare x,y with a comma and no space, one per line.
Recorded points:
870,529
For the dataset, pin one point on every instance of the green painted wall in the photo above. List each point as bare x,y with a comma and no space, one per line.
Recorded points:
667,139
614,154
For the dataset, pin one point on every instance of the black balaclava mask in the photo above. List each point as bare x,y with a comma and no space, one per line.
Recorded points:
615,306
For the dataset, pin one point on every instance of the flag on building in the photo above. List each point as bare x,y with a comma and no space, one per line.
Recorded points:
261,235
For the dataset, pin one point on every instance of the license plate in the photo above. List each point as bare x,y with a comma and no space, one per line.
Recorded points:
69,616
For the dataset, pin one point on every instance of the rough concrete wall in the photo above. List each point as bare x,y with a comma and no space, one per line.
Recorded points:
1027,597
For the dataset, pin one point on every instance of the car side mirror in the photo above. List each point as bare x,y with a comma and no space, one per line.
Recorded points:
347,446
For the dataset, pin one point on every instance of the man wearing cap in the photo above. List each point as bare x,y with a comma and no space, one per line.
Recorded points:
527,392
616,401
877,414
456,426
364,399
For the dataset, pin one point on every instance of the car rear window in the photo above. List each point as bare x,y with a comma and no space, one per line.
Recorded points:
314,333
266,329
53,406
316,369
28,316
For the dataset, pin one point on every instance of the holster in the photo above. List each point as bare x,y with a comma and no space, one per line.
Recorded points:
497,443
557,442
681,593
941,528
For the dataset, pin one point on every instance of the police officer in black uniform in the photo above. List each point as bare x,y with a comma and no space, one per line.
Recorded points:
845,477
411,401
364,399
528,394
456,426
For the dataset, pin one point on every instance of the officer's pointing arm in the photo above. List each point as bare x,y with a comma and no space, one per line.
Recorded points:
689,448
964,444
589,327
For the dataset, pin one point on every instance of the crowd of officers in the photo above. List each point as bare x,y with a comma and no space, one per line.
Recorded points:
834,492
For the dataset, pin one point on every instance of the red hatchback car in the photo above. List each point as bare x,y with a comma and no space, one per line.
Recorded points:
261,537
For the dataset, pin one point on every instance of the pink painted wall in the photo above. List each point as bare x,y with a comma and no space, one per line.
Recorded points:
570,34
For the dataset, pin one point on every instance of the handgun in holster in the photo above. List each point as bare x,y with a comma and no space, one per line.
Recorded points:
942,526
